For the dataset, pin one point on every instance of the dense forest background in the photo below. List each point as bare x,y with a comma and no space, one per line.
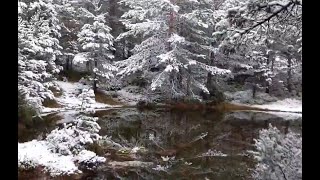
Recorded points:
170,50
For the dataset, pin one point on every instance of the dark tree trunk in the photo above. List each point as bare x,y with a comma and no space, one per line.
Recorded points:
209,76
268,89
71,64
67,64
289,75
254,90
188,83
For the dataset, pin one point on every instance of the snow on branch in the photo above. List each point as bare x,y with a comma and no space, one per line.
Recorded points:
213,70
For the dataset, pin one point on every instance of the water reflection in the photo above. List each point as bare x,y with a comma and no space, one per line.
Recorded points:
202,145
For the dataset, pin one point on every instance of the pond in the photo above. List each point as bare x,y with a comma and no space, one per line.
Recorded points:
185,145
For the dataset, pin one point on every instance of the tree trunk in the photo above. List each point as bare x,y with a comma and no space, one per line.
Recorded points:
254,90
125,54
210,63
269,59
189,83
95,76
289,74
71,64
67,63
171,25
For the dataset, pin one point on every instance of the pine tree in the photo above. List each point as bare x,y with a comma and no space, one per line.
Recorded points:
96,40
38,48
164,47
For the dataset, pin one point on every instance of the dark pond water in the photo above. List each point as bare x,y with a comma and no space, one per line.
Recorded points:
194,144
199,145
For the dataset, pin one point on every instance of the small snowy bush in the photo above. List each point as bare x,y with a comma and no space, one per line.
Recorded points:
279,155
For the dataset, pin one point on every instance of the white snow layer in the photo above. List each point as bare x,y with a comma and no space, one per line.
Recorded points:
76,96
60,150
79,62
288,105
292,108
36,153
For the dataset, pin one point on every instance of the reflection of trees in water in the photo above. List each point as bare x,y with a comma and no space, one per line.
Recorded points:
162,130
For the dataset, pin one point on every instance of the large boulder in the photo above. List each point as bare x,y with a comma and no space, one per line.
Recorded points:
80,63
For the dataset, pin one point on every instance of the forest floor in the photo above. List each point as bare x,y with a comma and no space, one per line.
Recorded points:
75,97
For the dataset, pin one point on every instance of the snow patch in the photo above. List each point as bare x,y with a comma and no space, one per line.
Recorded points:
213,153
79,62
37,153
59,151
78,96
288,105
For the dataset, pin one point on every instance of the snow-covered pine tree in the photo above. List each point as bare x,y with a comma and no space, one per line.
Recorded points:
163,47
70,27
38,48
96,40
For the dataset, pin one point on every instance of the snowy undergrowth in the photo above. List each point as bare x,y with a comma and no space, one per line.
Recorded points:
63,149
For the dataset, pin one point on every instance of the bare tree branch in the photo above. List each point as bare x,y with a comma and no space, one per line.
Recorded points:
267,19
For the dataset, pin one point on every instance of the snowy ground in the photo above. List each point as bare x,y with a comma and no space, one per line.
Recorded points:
76,96
288,105
38,153
245,97
291,108
63,149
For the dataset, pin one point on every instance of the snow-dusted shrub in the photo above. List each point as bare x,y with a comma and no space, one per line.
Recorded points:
88,123
87,97
62,148
279,155
89,159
